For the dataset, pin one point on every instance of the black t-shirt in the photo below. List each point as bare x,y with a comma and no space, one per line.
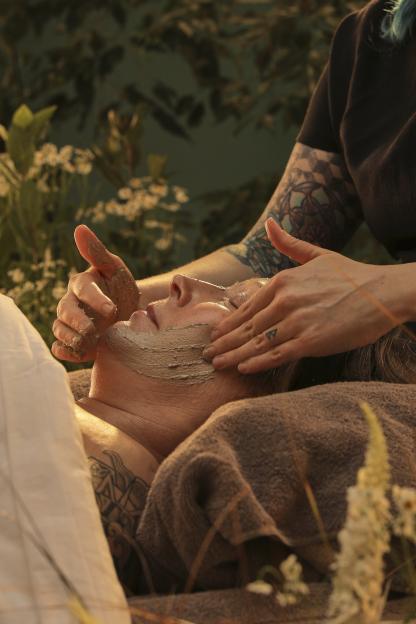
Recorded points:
364,107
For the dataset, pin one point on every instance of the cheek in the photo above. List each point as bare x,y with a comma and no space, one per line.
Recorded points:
209,313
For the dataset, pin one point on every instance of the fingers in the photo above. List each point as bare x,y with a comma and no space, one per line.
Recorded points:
95,253
67,336
282,354
246,312
266,342
60,351
83,288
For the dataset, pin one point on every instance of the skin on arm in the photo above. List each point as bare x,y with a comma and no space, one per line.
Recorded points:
314,201
121,472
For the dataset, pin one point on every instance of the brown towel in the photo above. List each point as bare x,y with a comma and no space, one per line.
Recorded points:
80,381
237,606
232,497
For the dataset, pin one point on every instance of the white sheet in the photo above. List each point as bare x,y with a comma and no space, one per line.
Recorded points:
43,461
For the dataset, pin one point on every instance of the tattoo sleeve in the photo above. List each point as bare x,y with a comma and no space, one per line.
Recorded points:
120,496
315,201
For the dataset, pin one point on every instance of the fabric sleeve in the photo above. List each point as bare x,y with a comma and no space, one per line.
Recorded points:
321,125
317,130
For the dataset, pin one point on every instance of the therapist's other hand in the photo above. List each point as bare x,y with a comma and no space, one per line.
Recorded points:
329,304
96,298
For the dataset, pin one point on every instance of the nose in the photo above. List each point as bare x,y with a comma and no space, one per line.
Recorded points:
184,289
181,289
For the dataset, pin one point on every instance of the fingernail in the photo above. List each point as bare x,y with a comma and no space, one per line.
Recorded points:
208,353
243,368
108,308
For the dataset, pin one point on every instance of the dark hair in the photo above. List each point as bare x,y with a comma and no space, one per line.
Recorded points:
392,358
399,20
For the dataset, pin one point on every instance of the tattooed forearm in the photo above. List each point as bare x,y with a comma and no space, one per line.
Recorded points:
120,498
314,201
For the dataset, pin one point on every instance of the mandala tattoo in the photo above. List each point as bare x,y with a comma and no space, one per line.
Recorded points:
120,496
315,201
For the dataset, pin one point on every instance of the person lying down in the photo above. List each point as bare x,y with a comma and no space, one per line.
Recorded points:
150,389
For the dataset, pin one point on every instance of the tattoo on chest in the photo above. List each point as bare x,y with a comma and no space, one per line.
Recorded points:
314,201
120,497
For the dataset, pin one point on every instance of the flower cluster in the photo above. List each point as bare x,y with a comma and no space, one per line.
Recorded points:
364,540
141,195
138,201
47,159
37,288
291,585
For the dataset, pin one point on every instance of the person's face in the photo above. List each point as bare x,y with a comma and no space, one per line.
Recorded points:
192,301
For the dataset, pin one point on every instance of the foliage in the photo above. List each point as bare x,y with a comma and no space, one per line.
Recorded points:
45,192
359,582
250,60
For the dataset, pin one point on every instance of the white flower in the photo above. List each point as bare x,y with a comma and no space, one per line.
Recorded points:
172,207
151,224
65,154
149,202
125,193
293,585
83,168
404,524
49,155
364,540
135,183
17,276
259,587
181,195
161,190
163,243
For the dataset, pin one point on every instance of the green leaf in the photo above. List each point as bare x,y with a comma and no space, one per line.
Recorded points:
23,117
40,122
21,148
3,133
156,164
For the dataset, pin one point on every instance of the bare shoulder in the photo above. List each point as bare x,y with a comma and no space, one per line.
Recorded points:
103,442
315,200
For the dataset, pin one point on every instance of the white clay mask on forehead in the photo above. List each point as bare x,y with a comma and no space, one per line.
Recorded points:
173,354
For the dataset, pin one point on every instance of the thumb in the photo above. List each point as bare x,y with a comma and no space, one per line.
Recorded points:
294,248
95,253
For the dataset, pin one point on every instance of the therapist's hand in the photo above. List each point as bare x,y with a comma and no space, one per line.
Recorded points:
96,298
329,304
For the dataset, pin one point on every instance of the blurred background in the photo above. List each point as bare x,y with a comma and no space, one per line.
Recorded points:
165,125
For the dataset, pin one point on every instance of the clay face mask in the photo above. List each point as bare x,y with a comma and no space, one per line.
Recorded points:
174,354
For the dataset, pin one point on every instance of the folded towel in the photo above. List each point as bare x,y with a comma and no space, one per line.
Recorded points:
232,497
237,606
80,381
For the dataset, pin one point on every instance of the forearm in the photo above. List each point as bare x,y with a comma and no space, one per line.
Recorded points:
220,267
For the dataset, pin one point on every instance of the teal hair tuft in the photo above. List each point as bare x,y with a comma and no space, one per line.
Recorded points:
399,21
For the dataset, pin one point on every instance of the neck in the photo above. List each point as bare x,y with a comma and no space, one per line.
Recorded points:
159,427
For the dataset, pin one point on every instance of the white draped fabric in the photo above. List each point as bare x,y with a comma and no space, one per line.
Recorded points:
44,471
